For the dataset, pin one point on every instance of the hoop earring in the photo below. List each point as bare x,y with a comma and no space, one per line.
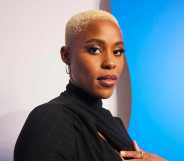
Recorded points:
67,69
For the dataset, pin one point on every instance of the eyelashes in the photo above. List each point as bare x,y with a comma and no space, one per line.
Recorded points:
98,50
119,51
94,50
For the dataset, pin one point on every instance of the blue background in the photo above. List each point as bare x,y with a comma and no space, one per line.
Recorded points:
154,42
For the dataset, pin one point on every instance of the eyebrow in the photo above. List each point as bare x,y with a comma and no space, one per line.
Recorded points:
102,41
95,40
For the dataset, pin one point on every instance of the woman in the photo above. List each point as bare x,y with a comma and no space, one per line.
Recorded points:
74,126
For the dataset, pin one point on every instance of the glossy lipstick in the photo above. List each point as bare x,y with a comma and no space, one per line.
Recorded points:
107,80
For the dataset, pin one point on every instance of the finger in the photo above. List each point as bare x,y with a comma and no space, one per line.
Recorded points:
122,158
136,146
132,154
133,160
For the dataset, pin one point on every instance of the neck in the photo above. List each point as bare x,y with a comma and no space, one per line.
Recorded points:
83,95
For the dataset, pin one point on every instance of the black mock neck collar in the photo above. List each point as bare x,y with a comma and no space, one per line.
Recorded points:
89,110
82,96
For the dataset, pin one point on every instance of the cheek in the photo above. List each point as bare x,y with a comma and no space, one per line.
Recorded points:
90,67
121,65
85,67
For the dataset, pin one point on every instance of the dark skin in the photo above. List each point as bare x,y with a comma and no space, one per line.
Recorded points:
96,52
93,54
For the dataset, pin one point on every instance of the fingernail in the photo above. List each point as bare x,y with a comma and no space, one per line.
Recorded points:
123,153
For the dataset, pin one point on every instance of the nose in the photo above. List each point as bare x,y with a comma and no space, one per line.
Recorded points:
108,62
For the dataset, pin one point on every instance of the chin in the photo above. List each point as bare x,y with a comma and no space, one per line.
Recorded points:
104,94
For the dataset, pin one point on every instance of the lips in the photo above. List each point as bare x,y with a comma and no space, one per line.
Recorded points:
107,80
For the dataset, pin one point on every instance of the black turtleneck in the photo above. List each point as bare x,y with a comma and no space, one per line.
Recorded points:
82,96
66,128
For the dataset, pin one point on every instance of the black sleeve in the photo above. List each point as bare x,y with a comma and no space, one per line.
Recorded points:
47,135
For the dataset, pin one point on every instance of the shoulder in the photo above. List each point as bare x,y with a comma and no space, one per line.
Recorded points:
51,112
48,129
52,118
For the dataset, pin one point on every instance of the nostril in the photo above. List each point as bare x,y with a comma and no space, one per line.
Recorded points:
109,66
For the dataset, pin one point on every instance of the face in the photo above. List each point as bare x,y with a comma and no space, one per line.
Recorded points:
96,58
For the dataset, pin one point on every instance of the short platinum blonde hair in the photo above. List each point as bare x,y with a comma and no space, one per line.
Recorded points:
80,21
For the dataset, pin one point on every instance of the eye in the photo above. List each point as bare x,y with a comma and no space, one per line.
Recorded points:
119,52
94,50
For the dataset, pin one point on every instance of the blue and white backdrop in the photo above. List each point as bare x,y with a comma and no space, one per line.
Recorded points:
151,89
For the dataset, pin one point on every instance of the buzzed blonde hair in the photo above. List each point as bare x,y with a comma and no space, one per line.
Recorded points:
80,21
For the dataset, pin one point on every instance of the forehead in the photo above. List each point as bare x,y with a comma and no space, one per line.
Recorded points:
102,25
101,29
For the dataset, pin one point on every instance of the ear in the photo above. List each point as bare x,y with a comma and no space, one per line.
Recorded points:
65,56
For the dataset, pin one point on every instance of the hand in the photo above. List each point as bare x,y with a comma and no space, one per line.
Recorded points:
139,155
